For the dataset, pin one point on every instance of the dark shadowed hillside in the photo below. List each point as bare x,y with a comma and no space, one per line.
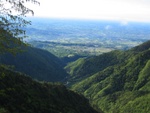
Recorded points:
142,47
116,82
20,94
37,63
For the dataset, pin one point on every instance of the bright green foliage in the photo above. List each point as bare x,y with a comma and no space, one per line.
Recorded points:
73,67
20,94
123,86
83,68
138,105
143,77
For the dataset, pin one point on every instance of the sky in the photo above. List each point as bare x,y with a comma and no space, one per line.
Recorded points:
122,10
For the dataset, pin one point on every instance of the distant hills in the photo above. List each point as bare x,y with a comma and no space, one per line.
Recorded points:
20,94
39,64
116,82
64,37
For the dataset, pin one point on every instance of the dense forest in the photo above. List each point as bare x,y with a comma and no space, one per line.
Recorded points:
113,82
20,94
33,80
37,63
116,82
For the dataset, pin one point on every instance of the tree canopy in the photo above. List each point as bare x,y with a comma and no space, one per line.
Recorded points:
12,22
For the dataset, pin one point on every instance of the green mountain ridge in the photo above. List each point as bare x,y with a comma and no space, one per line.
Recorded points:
114,82
20,94
118,81
142,47
85,67
37,63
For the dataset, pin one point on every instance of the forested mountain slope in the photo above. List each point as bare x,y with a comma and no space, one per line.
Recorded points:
85,67
118,82
37,63
20,94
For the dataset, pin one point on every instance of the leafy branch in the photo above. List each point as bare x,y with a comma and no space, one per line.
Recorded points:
12,21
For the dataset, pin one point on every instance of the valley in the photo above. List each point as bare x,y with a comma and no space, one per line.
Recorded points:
85,37
81,66
74,56
108,63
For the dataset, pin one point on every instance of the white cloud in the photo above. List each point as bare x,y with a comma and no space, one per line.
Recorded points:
108,27
123,23
129,10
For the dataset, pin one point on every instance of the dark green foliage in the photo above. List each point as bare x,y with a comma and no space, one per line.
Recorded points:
123,86
8,43
20,94
143,47
12,22
37,63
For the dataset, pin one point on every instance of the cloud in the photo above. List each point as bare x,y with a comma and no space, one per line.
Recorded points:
123,23
108,27
130,10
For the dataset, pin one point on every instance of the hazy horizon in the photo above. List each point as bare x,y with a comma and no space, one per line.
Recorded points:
118,10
